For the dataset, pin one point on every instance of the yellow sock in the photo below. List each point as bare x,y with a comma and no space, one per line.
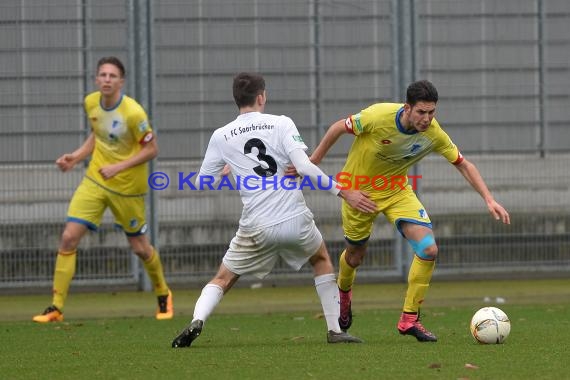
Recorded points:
154,270
64,271
418,283
346,273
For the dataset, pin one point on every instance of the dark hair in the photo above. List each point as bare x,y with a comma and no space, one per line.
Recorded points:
246,87
421,91
113,61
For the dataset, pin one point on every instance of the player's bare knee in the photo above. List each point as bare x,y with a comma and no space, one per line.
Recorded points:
354,257
431,251
69,240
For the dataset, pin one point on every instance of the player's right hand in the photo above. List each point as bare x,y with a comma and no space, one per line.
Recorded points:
359,200
291,171
65,162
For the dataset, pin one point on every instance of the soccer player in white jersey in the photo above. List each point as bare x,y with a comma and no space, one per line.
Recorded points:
275,221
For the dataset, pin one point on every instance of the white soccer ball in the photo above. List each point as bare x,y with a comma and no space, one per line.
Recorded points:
490,325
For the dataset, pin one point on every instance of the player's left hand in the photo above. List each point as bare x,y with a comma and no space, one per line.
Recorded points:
498,212
110,171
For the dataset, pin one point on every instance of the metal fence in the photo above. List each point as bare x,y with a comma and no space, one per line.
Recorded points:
502,70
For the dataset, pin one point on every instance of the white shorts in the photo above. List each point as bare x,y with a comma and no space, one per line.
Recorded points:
256,252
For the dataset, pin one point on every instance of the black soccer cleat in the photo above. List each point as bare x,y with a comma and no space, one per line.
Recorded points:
189,334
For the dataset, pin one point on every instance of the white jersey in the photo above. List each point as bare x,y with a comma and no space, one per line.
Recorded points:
256,146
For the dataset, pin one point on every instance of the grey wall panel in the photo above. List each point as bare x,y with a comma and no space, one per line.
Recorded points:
11,94
50,62
54,119
285,60
482,55
110,36
184,61
181,34
223,33
106,10
63,35
54,91
62,10
11,37
283,34
559,136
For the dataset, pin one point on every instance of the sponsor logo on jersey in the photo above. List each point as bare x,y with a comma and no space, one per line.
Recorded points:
298,138
357,123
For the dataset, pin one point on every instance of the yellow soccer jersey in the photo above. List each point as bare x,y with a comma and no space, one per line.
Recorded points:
383,150
120,133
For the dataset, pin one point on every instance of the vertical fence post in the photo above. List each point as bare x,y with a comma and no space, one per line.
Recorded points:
405,69
542,133
318,82
141,83
86,57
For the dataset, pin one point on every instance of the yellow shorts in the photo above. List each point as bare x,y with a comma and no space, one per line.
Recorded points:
401,207
90,201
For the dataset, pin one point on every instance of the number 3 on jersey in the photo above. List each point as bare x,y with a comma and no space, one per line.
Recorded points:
261,156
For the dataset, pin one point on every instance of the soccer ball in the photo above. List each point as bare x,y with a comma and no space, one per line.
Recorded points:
490,325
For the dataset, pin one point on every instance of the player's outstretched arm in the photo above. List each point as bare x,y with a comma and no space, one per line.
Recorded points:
472,175
329,139
68,160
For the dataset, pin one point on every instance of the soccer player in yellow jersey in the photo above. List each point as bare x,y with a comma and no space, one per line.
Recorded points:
121,143
389,138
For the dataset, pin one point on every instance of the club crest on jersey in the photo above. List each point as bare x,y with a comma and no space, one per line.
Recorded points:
143,125
415,147
133,223
116,123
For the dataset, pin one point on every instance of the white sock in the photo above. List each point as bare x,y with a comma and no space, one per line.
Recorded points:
327,290
210,298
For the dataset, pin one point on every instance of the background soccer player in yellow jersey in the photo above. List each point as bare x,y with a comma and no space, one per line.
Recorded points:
389,138
121,143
